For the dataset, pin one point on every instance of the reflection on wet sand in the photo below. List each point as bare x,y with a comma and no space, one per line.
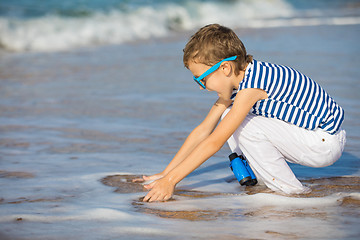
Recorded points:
23,175
326,186
9,174
124,183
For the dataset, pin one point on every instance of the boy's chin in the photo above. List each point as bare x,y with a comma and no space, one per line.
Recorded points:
220,95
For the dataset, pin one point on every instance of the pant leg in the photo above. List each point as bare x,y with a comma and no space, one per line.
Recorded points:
269,143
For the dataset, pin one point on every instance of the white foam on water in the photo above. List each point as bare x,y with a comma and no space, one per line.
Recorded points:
296,22
95,214
146,231
236,201
57,33
262,215
355,195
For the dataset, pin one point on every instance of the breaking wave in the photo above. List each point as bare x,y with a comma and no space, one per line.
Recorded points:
62,30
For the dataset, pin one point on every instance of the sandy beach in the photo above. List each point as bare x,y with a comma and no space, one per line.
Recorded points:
77,125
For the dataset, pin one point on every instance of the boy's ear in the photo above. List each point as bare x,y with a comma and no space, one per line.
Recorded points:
226,68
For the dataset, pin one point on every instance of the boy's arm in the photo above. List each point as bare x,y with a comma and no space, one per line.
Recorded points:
163,188
201,132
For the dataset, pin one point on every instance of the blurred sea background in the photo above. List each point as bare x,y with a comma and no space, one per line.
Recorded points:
95,88
37,25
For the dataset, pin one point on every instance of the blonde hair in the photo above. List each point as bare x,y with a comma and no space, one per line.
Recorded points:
212,43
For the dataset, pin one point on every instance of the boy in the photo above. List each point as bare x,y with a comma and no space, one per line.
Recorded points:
270,113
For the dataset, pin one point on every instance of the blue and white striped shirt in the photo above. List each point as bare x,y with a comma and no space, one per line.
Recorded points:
292,97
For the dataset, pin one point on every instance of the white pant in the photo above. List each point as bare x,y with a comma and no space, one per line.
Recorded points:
268,143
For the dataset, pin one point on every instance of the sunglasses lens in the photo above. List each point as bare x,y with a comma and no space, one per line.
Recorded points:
200,83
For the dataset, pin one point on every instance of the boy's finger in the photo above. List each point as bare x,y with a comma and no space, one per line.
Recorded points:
151,178
138,180
167,197
149,197
155,197
150,185
146,178
146,198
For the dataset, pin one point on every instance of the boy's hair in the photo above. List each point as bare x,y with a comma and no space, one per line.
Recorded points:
212,44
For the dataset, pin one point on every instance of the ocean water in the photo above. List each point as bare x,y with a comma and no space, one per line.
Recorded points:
91,90
33,25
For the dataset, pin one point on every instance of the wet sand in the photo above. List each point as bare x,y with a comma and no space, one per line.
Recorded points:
320,188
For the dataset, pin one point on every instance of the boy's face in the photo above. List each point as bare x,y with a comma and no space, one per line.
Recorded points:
216,81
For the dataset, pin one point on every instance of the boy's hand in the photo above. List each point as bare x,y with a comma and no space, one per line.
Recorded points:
161,190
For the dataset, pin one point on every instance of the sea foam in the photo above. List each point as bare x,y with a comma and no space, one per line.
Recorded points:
54,32
243,201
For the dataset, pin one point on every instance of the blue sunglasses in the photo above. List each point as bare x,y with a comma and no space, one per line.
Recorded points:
211,70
